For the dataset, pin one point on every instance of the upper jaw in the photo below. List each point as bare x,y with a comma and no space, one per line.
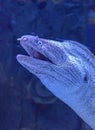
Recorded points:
32,52
50,50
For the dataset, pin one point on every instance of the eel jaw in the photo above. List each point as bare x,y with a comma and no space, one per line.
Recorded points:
33,53
48,51
35,62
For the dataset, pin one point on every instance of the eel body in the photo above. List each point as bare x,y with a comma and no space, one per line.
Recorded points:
66,68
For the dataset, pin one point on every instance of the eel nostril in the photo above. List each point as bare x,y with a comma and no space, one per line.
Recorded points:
23,38
19,39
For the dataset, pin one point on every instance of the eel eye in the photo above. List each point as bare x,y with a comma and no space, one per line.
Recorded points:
40,43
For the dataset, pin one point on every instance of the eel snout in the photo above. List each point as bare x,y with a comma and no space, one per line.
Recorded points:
32,52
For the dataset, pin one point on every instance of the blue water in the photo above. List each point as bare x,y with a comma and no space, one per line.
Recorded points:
21,106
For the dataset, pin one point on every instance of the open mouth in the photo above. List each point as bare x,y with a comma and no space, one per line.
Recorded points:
35,54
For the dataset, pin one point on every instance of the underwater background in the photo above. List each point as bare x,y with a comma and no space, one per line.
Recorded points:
25,104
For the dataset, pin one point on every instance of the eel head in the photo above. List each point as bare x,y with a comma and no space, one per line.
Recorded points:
59,65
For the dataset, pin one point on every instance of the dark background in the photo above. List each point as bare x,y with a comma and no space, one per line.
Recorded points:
22,107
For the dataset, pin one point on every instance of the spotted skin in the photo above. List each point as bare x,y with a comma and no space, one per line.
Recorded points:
68,72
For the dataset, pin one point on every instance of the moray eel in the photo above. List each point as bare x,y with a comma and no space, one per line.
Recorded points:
66,68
